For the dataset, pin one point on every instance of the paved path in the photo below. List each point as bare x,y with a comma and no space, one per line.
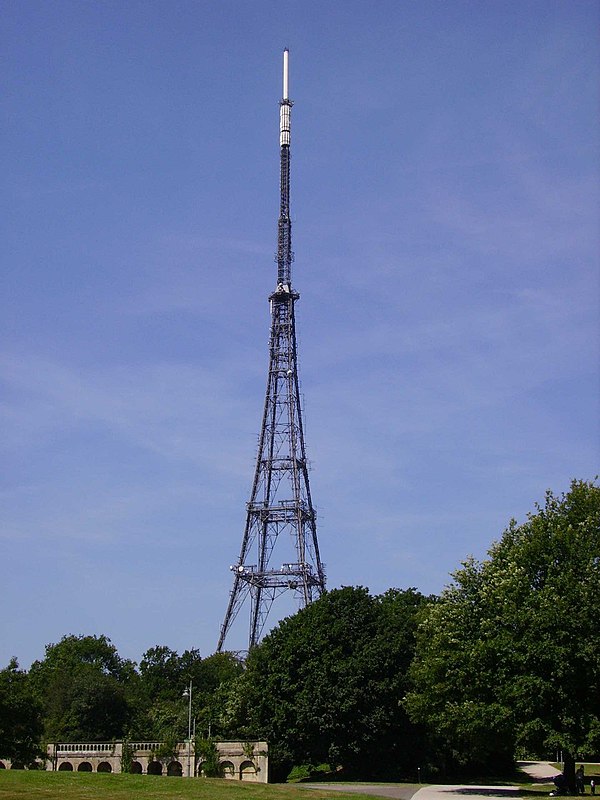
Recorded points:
397,792
539,771
456,791
441,792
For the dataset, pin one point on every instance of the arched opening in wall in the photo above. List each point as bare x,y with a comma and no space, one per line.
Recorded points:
136,768
2,765
155,768
66,766
85,766
228,769
175,768
104,766
247,771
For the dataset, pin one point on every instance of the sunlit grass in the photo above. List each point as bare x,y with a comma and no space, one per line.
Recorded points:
21,784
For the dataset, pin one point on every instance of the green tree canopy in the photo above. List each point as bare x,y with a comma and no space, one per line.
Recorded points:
510,657
214,680
20,716
160,710
82,685
326,685
160,673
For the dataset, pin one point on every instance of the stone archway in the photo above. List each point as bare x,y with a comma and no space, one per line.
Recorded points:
66,766
228,770
104,766
155,768
85,766
2,765
136,768
175,769
248,771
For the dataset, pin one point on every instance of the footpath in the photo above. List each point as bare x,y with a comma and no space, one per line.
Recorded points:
539,771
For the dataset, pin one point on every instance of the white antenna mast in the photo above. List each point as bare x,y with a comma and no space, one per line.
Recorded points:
285,104
286,54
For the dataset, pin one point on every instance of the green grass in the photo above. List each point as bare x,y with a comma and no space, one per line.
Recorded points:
25,784
41,785
591,771
589,768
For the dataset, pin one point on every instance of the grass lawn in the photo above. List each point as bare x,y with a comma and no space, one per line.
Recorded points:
25,784
590,769
42,785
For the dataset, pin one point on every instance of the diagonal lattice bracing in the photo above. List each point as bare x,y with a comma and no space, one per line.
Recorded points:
280,518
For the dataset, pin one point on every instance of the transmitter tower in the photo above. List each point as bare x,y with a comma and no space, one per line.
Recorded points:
281,519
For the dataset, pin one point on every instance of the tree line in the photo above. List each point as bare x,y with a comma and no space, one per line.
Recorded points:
504,663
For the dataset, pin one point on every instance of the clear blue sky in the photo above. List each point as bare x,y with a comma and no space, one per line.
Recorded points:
445,165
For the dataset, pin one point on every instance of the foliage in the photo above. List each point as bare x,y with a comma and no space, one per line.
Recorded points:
510,655
508,658
160,673
96,651
20,716
163,676
167,750
248,749
215,680
85,690
303,772
81,684
127,756
157,719
208,755
326,685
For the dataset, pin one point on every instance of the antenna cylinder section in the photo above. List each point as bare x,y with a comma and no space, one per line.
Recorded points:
285,106
284,122
286,54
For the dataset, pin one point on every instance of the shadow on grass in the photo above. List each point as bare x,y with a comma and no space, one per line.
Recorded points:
499,791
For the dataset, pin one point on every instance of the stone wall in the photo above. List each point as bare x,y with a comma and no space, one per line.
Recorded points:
244,761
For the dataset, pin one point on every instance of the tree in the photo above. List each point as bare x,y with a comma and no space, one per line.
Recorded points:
510,657
160,710
208,755
83,690
326,685
160,672
20,716
82,684
214,679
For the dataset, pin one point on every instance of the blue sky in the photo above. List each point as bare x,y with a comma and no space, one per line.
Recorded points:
445,165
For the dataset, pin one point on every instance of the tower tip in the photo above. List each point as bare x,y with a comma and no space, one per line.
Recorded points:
286,54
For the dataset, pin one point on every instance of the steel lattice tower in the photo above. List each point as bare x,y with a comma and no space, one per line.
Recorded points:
280,517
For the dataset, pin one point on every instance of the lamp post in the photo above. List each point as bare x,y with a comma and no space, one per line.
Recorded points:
188,693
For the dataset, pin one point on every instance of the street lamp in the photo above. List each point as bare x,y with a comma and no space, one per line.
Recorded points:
188,693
